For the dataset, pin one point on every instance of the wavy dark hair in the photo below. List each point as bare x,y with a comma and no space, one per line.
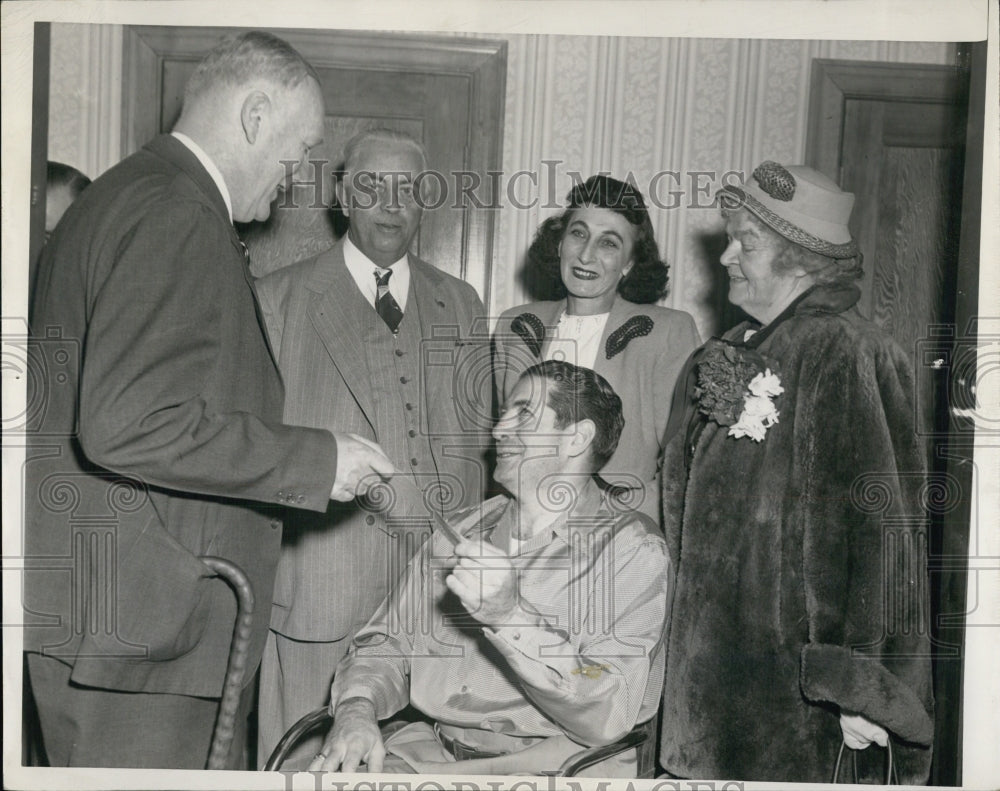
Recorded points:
647,280
576,394
59,175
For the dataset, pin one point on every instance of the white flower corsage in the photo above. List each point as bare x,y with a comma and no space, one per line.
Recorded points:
758,413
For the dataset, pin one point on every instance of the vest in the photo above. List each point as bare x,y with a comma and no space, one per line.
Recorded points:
395,373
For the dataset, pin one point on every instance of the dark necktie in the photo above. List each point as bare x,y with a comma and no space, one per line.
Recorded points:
385,303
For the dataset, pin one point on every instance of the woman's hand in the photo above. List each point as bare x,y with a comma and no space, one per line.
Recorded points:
860,732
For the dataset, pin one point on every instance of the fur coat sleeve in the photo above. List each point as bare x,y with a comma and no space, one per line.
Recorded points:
801,587
864,542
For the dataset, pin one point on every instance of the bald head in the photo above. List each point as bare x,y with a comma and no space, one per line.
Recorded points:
381,137
255,106
246,60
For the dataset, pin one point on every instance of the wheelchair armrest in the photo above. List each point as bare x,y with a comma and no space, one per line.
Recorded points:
577,762
306,724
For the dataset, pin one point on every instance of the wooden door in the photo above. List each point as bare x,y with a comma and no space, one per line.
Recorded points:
446,92
895,136
39,147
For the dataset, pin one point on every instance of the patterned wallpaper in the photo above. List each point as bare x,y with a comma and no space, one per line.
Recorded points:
85,71
67,96
661,106
676,113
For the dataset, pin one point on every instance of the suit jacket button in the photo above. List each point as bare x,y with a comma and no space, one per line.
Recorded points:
412,432
409,407
403,380
370,520
400,352
275,524
413,461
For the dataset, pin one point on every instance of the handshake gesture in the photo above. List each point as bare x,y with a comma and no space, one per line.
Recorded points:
361,463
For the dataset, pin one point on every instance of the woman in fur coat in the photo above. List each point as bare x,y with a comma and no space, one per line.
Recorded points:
792,482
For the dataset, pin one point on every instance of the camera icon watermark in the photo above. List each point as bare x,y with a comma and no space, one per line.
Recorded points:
457,365
49,365
961,364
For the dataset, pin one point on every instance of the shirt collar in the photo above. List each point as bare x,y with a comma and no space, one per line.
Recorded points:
361,268
353,257
500,526
210,166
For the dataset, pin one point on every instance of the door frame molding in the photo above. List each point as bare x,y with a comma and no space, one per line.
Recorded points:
834,82
481,61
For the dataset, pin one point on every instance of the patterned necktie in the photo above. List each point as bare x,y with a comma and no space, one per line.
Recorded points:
385,303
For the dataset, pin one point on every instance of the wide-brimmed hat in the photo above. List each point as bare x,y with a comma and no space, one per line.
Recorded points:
799,203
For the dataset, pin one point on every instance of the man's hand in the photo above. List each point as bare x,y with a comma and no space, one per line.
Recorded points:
484,580
859,732
354,739
361,464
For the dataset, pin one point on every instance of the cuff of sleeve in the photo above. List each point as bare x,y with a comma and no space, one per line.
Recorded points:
356,690
864,685
317,469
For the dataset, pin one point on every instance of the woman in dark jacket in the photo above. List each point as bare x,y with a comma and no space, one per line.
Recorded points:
792,501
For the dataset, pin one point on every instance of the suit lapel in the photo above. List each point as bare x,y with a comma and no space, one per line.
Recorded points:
335,311
438,333
245,255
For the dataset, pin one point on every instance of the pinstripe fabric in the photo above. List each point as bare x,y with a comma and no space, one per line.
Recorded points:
342,372
584,658
394,370
295,676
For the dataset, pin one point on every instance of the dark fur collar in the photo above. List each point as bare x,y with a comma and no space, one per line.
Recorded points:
818,299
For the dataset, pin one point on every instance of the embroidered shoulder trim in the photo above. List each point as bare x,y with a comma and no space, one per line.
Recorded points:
635,327
531,330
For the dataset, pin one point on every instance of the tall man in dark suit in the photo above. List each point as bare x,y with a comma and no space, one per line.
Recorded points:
373,340
159,436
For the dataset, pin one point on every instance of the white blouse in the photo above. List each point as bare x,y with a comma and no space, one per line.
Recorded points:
577,339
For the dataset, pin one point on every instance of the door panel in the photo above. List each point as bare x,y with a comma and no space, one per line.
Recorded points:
902,163
894,135
447,92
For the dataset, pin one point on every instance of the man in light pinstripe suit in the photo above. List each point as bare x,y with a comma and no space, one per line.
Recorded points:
398,377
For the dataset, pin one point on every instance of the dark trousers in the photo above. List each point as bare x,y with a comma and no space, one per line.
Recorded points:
92,727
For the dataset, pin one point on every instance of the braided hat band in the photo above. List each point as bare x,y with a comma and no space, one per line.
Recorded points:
800,204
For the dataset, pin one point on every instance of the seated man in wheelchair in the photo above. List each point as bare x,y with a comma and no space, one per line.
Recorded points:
540,633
